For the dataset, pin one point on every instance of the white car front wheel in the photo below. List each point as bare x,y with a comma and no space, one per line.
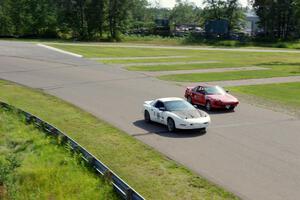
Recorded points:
171,125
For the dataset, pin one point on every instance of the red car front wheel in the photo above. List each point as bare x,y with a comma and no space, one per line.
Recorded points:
208,106
189,99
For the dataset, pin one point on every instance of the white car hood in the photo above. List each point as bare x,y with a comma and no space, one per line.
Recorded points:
190,114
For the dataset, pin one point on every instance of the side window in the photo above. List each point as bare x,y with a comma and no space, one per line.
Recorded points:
159,104
195,89
200,90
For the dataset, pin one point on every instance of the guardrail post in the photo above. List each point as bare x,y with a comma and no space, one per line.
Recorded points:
129,194
108,175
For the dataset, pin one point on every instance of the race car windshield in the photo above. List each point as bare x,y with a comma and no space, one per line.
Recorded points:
178,105
215,90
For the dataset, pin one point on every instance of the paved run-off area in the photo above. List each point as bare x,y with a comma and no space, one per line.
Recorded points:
253,152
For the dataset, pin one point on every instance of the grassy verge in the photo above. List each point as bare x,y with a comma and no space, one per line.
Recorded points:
277,71
214,43
33,166
284,94
157,40
225,58
118,51
178,41
175,67
150,173
190,40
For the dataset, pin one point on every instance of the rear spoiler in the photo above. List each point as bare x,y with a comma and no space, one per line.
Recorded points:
148,102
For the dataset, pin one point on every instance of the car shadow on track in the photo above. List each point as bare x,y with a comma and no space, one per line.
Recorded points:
159,129
216,112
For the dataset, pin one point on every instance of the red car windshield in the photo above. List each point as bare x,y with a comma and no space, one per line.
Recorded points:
215,90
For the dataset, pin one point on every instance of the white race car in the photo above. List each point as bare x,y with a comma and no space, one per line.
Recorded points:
176,113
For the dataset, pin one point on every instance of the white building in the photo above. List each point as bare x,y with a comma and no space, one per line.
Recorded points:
251,27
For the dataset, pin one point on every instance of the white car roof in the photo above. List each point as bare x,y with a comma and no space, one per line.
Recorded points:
170,99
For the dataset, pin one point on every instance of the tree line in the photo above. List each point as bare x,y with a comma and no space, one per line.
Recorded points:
96,19
82,19
278,18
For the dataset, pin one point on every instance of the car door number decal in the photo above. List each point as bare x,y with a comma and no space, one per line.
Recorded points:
158,115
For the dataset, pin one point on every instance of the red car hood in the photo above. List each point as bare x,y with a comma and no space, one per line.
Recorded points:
224,98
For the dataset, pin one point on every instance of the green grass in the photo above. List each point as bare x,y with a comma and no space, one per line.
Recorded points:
227,58
101,51
33,166
146,170
158,40
286,94
178,41
274,71
215,43
176,67
279,64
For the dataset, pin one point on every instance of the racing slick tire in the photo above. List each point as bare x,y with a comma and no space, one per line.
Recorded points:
147,117
171,125
208,106
189,99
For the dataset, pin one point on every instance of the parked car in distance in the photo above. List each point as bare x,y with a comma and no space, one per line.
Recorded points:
175,113
210,96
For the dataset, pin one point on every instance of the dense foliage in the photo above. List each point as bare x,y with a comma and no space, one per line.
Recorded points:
82,19
279,19
185,13
98,19
230,10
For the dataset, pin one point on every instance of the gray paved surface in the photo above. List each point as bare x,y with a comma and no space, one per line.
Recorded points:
253,152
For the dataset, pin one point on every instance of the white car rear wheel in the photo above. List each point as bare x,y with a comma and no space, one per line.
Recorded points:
147,116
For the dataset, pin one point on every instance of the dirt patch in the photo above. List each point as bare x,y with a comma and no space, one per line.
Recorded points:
3,192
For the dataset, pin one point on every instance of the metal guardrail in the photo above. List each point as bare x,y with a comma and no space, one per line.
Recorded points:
121,187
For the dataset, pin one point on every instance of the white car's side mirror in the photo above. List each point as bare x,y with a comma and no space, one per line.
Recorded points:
162,109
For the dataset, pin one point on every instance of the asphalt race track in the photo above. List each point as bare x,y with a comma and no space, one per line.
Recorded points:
252,152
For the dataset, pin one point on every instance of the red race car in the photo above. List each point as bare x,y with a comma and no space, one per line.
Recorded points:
211,97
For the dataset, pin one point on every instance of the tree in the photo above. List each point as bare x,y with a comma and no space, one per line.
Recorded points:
184,13
118,11
96,17
138,15
39,18
5,21
16,14
279,19
234,14
229,10
214,9
73,17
